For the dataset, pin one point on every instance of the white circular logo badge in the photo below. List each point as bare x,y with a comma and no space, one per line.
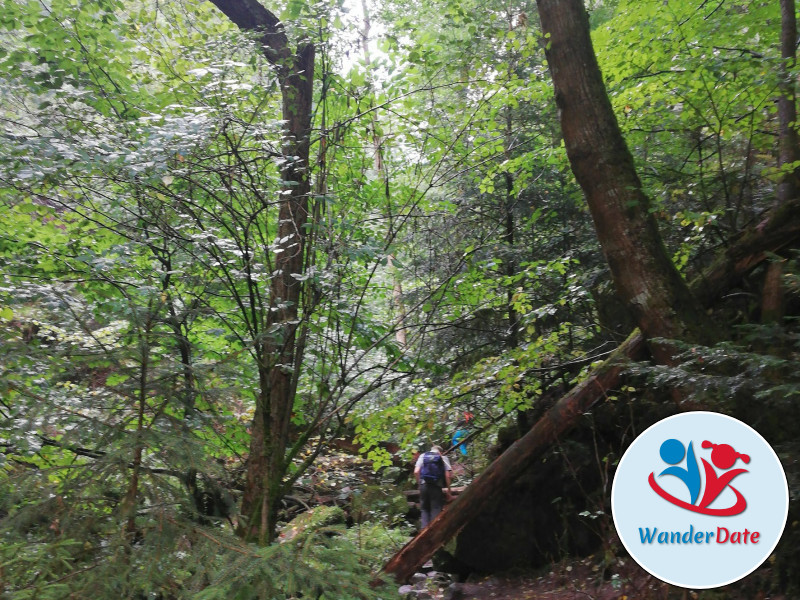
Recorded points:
700,500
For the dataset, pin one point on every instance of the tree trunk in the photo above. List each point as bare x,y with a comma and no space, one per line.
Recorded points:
129,504
750,249
643,272
277,356
788,154
377,144
772,295
789,149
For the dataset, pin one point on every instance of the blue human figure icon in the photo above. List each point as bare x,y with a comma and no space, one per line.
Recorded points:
672,452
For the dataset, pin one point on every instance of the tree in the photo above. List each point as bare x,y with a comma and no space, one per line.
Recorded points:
644,274
788,145
788,152
280,351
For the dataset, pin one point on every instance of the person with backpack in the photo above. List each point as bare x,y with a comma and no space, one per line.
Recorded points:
433,473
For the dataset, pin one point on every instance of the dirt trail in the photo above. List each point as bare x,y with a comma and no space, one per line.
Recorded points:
584,579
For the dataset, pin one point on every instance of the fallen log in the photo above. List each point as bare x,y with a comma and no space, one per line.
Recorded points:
752,247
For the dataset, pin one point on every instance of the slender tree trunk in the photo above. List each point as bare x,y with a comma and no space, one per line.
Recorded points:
509,263
789,148
378,162
643,272
772,297
130,502
277,357
788,153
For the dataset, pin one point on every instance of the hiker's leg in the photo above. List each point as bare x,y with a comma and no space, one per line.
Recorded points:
436,496
425,504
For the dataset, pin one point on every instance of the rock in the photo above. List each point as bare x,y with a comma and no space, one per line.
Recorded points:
419,578
414,593
454,591
440,579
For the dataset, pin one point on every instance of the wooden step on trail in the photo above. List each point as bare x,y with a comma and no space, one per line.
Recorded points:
413,495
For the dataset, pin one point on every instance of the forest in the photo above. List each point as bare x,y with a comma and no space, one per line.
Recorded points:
257,255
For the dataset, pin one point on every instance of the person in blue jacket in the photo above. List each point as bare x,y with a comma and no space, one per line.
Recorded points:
461,433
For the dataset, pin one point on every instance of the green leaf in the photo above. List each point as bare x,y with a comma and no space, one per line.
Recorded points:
114,380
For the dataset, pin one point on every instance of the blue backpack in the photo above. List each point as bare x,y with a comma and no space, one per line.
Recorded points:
432,470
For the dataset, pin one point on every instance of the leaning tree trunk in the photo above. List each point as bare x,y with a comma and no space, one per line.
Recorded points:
509,465
277,351
643,273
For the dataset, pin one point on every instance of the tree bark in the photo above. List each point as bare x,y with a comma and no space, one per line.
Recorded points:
643,272
788,153
277,356
772,295
789,148
750,248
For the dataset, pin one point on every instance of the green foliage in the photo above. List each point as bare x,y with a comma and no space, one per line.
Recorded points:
379,504
378,542
175,561
755,376
322,565
311,521
693,85
451,262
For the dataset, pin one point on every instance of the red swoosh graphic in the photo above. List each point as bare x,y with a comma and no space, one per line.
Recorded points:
737,508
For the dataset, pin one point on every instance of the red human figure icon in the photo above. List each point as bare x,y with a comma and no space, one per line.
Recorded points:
724,457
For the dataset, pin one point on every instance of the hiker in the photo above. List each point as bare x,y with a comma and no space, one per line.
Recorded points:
433,473
462,432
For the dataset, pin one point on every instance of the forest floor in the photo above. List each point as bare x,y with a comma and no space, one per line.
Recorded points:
587,578
581,579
